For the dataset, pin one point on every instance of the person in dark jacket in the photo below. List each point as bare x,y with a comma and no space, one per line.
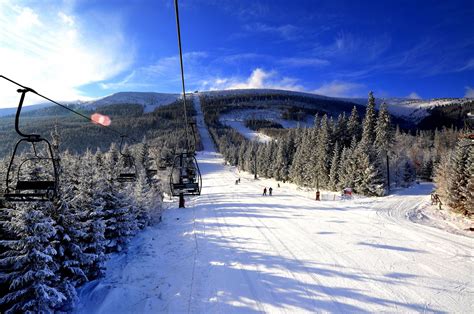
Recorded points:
270,191
264,191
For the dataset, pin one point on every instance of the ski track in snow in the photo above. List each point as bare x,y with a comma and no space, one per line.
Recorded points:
234,251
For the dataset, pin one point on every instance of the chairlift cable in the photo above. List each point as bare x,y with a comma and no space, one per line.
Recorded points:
63,106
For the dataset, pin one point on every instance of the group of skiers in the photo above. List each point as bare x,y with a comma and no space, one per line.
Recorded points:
270,190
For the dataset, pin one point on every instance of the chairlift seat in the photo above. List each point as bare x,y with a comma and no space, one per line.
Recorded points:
127,177
185,188
29,197
35,185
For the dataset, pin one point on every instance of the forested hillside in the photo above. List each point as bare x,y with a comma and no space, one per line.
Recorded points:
368,153
163,127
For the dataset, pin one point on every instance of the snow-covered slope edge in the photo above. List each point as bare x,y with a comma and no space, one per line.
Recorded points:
413,110
149,100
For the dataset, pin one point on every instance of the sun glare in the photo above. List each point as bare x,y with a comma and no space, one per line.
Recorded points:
101,119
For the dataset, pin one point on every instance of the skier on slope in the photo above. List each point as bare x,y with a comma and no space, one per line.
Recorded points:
270,191
264,191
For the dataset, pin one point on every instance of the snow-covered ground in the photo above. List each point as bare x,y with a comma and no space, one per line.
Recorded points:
234,250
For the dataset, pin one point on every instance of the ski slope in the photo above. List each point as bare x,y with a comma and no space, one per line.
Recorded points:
233,250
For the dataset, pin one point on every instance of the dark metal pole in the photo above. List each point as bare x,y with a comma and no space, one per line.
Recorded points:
181,196
388,174
255,166
317,189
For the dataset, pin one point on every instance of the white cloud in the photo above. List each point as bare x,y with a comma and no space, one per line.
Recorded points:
413,95
469,92
468,66
55,51
257,79
340,89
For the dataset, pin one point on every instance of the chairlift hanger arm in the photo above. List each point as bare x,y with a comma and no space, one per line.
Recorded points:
32,137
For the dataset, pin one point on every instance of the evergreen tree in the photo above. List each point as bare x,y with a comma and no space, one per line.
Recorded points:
368,126
349,167
469,205
117,210
458,181
334,170
369,180
353,127
383,141
143,200
322,155
32,278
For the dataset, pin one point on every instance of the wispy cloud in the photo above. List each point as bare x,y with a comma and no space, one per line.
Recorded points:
286,31
469,92
240,57
340,89
413,95
163,74
303,62
468,66
50,48
259,78
352,47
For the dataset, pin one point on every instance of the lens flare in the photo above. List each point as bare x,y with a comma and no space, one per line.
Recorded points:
101,119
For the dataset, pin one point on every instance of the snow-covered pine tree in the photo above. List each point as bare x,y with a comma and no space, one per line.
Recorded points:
383,141
32,278
119,216
322,153
342,176
349,166
298,171
458,181
442,173
334,170
368,126
470,183
369,180
86,206
70,230
340,133
6,235
353,127
72,260
242,150
143,200
281,160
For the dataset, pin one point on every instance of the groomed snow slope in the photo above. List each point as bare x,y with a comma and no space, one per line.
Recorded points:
233,250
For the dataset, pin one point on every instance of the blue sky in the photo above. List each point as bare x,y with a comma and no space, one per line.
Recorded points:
85,49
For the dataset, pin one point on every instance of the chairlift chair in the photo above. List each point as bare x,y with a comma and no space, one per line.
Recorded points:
128,173
22,187
185,176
